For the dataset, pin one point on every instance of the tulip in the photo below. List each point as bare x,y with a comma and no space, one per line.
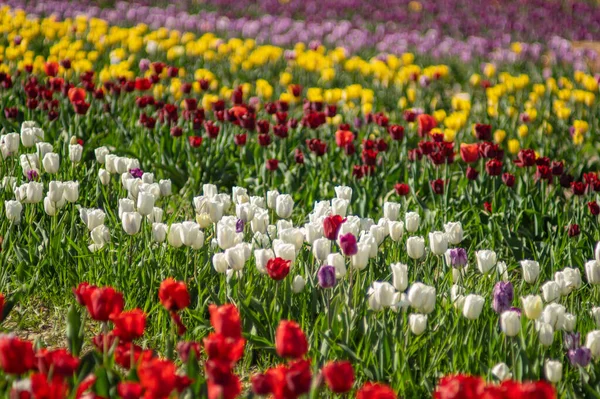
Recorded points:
284,250
326,276
473,306
339,206
400,276
553,371
49,207
43,149
298,284
510,323
411,222
486,260
236,256
293,236
284,206
343,192
321,248
531,270
503,296
545,333
550,291
145,203
592,341
209,190
337,260
260,221
71,191
596,315
381,295
454,232
379,231
165,187
103,177
100,235
219,262
312,232
55,191
422,297
245,212
554,314
569,322
360,260
131,222
262,257
391,210
568,279
10,144
348,244
417,323
532,306
396,230
100,153
75,152
191,235
597,252
156,216
457,296
501,372
272,199
31,135
415,247
438,242
159,232
592,272
226,235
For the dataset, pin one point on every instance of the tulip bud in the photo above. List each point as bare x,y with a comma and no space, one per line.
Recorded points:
545,333
236,256
592,272
415,247
159,232
75,152
360,260
219,262
31,135
51,163
339,206
400,276
553,371
272,199
596,315
125,205
49,207
422,297
43,149
473,306
55,191
454,232
284,250
165,187
298,284
438,242
501,372
381,295
531,270
284,206
191,235
337,260
245,212
145,203
592,341
13,211
532,306
396,230
262,257
101,153
510,323
568,279
569,322
148,178
391,210
103,177
411,222
554,314
417,323
174,235
321,248
486,260
92,217
550,291
71,191
131,222
10,144
156,215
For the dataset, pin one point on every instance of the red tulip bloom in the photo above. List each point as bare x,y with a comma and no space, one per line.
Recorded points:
278,268
594,208
471,173
332,225
437,186
377,391
369,157
348,244
317,146
129,325
76,94
483,132
578,187
211,129
176,131
343,138
280,131
16,356
264,140
142,84
525,158
103,303
218,346
574,230
51,68
396,131
60,361
173,295
185,348
82,292
127,352
426,123
298,156
415,155
469,152
56,388
195,141
129,390
290,340
229,389
402,189
543,172
514,389
460,386
262,384
226,320
338,376
493,167
508,179
272,164
488,207
157,377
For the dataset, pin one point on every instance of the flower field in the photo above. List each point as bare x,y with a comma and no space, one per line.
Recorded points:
208,203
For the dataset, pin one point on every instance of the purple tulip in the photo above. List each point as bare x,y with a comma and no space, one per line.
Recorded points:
503,296
580,356
326,276
239,226
348,244
458,257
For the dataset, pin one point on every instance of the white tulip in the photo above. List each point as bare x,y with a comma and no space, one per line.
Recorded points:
298,284
125,205
592,342
486,260
473,306
597,252
313,231
156,216
75,152
209,190
321,248
10,143
592,272
191,235
438,242
236,256
381,295
55,191
596,315
391,210
165,187
272,199
417,323
343,192
292,235
550,291
284,206
100,235
219,262
545,333
457,296
284,250
31,135
101,153
145,203
531,270
339,206
422,297
103,177
553,370
49,207
159,232
501,372
226,235
568,279
338,261
411,221
554,314
148,178
396,230
532,306
454,232
239,195
131,222
510,323
174,235
569,322
360,260
42,149
245,211
71,191
262,257
399,276
415,247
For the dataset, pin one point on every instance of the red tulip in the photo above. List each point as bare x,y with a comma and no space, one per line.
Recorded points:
525,158
574,230
51,68
290,340
426,123
226,321
348,244
229,389
278,268
472,173
218,346
376,391
173,295
195,141
60,361
343,138
103,303
493,167
16,356
129,325
76,94
469,152
396,131
339,376
483,132
157,377
142,84
402,189
332,225
578,188
488,207
508,179
459,386
185,348
298,156
437,186
594,208
272,164
129,390
240,139
56,388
